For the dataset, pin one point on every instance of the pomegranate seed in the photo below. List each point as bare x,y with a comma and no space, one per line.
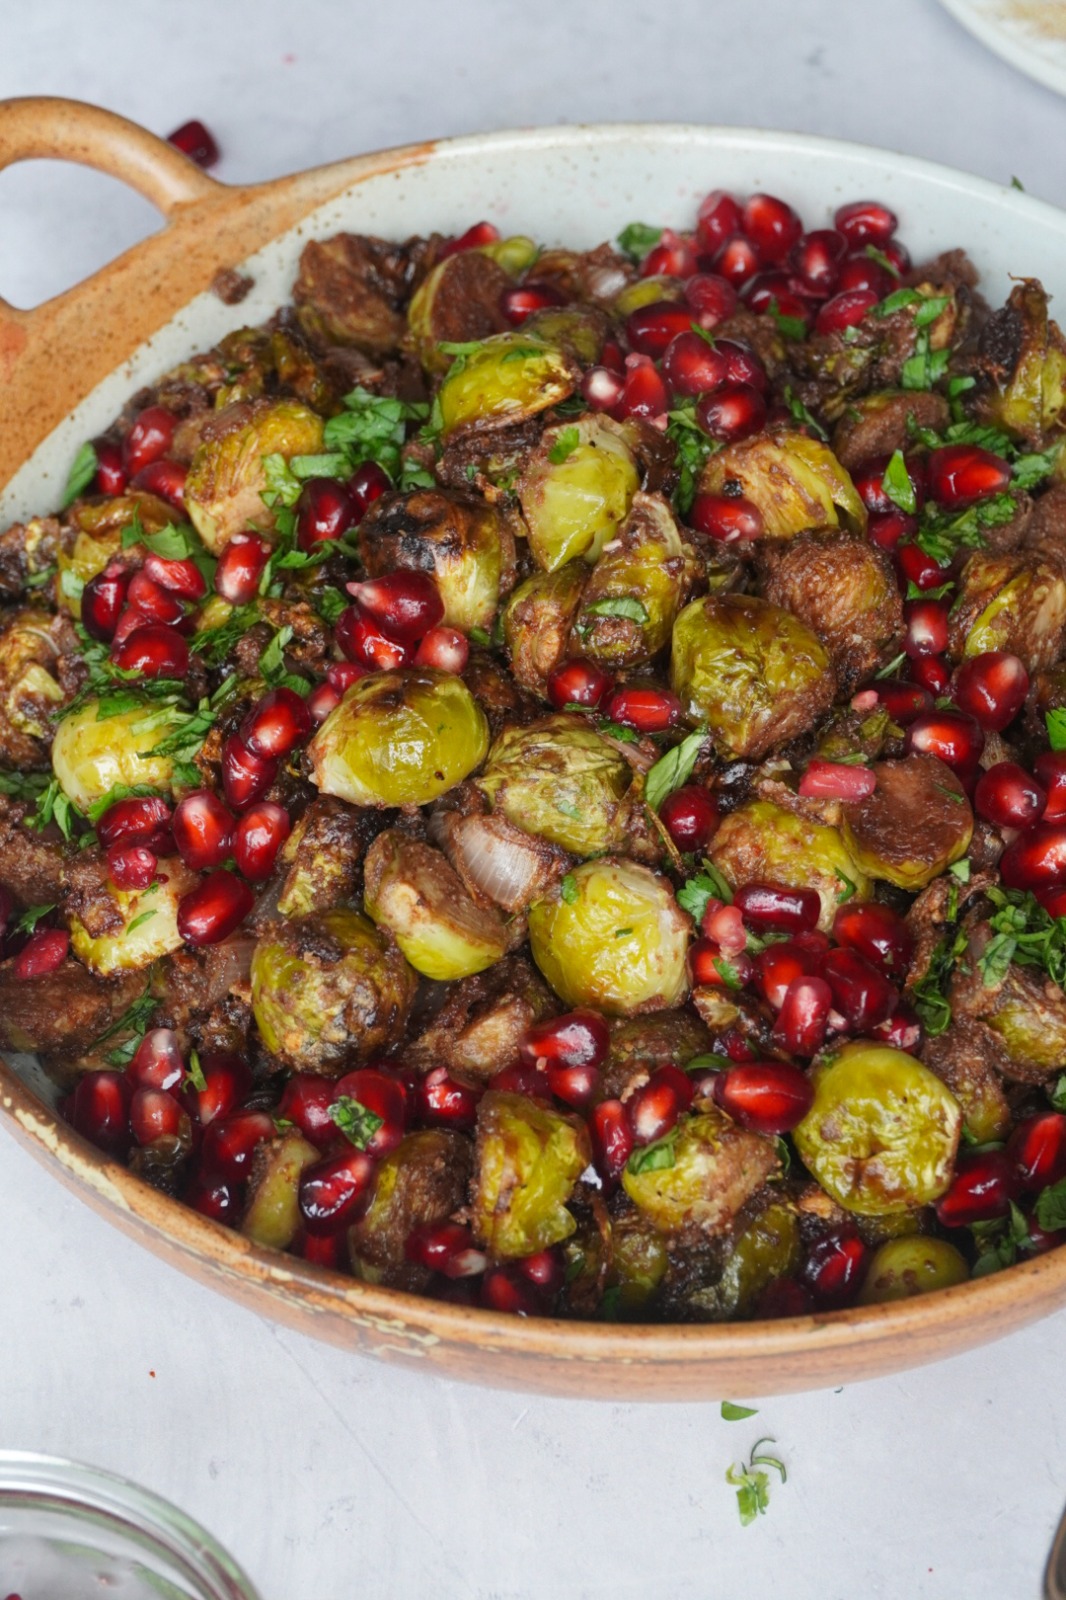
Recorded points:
981,1190
650,329
323,511
154,651
644,393
305,1101
327,1250
602,389
744,365
866,222
1038,1149
132,821
726,519
578,682
804,1016
732,412
367,483
152,600
524,299
213,1197
672,257
446,1103
332,1191
904,701
861,993
845,310
1008,797
259,836
835,780
952,735
1040,1240
778,908
932,673
736,260
992,687
771,225
340,675
903,1030
504,1289
725,925
240,567
918,568
647,710
478,234
713,299
230,1142
131,619
770,293
717,219
710,965
276,724
1053,901
784,1297
546,1269
885,529
181,577
769,1097
195,141
691,366
165,479
1036,859
446,1247
925,628
815,259
860,271
878,933
655,1107
320,702
203,830
99,1111
443,649
245,777
1049,769
131,866
44,951
577,1086
384,1096
227,1080
778,966
519,1079
612,358
612,1139
405,603
111,475
214,909
157,1063
363,640
576,1039
690,817
834,1269
149,437
154,1114
962,474
102,602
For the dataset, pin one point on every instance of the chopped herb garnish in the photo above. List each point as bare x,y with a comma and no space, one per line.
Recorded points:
801,414
568,889
872,253
29,918
898,486
657,1157
272,665
1022,931
355,1120
145,916
735,1413
697,892
564,446
195,1074
1057,1095
373,427
82,472
789,327
1050,1208
568,810
693,446
53,806
673,769
133,1021
848,888
24,785
638,239
625,605
614,730
961,869
753,1484
890,668
929,994
623,933
941,533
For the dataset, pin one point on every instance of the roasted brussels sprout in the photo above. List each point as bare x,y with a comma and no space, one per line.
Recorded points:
224,488
913,826
636,589
696,1180
1015,602
135,926
324,856
766,1248
916,1264
612,936
576,491
399,738
537,621
508,378
558,779
349,291
1023,354
94,753
845,591
1015,1017
763,842
458,301
960,1056
410,889
640,1044
527,1162
423,1180
796,482
328,991
483,1020
272,1211
464,544
29,693
882,1133
749,670
639,1261
878,424
580,331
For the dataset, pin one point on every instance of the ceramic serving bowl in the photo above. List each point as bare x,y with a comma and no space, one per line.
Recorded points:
66,369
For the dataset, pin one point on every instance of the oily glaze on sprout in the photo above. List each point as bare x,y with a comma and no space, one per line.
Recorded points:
538,778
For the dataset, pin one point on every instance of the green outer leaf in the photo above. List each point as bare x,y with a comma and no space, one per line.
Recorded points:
82,472
673,769
898,486
735,1413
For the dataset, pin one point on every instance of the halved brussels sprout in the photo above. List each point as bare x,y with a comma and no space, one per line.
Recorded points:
515,254
768,1247
29,694
464,544
537,621
558,779
612,936
696,1180
324,857
580,331
348,292
844,589
902,1268
528,1160
639,1261
423,1180
99,537
878,424
636,588
640,1044
796,482
272,1212
1025,354
148,926
913,826
410,889
882,1133
752,672
399,738
508,378
1014,602
647,292
329,990
764,842
224,488
1019,1017
457,302
92,754
576,490
960,1057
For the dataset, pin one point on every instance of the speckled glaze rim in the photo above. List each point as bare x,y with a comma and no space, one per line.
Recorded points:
211,226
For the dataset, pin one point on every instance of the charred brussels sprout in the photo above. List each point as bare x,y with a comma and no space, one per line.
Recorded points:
92,754
1014,602
560,780
577,490
913,826
537,621
636,589
640,1044
424,1180
1024,356
463,544
399,738
227,477
328,990
882,1133
527,1162
136,926
410,889
752,672
647,292
613,937
1013,1011
845,591
695,1180
763,842
29,694
767,1248
459,301
796,482
508,378
639,1261
901,1268
272,1213
578,330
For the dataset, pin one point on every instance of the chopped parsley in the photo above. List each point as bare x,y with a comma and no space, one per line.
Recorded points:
1050,1208
23,785
801,414
673,769
373,427
29,919
133,1021
625,605
1022,932
942,533
53,806
898,486
794,328
657,1157
706,886
195,1075
1055,723
735,1413
998,1242
355,1120
272,667
638,239
568,889
930,993
82,472
752,1483
693,446
564,446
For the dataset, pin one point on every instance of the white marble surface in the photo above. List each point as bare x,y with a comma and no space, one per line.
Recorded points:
324,1473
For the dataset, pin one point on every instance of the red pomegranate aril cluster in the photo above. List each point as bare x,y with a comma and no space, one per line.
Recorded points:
577,682
864,222
447,1103
878,933
165,479
99,1110
650,329
1036,859
524,299
1037,1147
575,1039
405,603
446,1247
953,736
227,1081
835,780
333,1191
386,1098
155,1114
732,412
133,821
845,310
646,710
674,257
111,475
861,993
1049,770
